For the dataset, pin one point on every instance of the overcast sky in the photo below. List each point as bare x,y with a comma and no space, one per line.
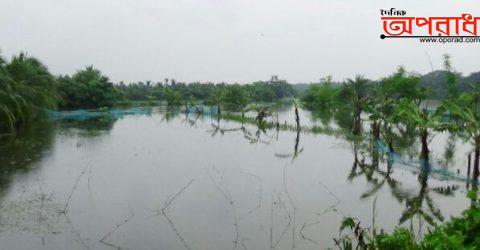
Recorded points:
225,40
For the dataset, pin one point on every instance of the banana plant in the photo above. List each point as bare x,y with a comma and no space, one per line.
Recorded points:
466,119
382,119
216,98
356,91
428,123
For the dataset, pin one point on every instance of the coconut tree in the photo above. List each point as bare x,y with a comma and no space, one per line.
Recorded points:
26,89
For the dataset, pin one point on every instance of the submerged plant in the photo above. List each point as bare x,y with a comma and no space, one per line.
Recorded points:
356,91
426,122
467,121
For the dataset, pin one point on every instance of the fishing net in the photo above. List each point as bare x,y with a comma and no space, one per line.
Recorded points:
202,109
83,115
438,171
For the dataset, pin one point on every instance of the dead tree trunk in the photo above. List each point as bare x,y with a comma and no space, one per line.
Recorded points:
297,118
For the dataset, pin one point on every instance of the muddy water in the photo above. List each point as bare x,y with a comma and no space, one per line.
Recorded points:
166,181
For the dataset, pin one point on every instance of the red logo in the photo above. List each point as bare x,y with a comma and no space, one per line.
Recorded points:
396,24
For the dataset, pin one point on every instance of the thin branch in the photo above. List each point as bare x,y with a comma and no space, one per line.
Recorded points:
260,191
65,209
167,204
291,203
285,229
77,234
88,183
169,201
226,194
117,226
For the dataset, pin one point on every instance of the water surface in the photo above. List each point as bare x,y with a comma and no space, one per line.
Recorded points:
165,180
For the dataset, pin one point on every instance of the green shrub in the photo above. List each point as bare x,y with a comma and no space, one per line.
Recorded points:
461,232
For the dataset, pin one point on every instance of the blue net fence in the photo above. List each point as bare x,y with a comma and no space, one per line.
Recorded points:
207,110
83,115
435,170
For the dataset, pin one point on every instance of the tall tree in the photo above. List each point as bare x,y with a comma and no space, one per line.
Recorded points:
451,77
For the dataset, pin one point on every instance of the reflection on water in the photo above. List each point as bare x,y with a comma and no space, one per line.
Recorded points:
19,154
169,180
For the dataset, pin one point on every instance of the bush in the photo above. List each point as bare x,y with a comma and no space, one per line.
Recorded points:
87,89
461,232
321,96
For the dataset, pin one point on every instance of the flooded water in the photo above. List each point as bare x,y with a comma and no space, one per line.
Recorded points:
164,180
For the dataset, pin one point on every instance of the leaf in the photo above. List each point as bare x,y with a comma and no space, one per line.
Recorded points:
347,222
472,195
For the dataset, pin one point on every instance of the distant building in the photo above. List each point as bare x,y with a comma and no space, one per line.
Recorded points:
274,79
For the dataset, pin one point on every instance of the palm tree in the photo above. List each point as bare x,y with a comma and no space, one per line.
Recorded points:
26,89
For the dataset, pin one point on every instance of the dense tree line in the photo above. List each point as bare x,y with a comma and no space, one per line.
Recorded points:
177,93
27,89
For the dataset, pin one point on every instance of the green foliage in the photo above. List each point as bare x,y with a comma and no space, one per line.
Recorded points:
26,88
172,97
401,85
140,91
216,97
236,97
258,91
461,232
465,111
451,77
357,89
321,96
401,238
410,113
261,92
86,89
